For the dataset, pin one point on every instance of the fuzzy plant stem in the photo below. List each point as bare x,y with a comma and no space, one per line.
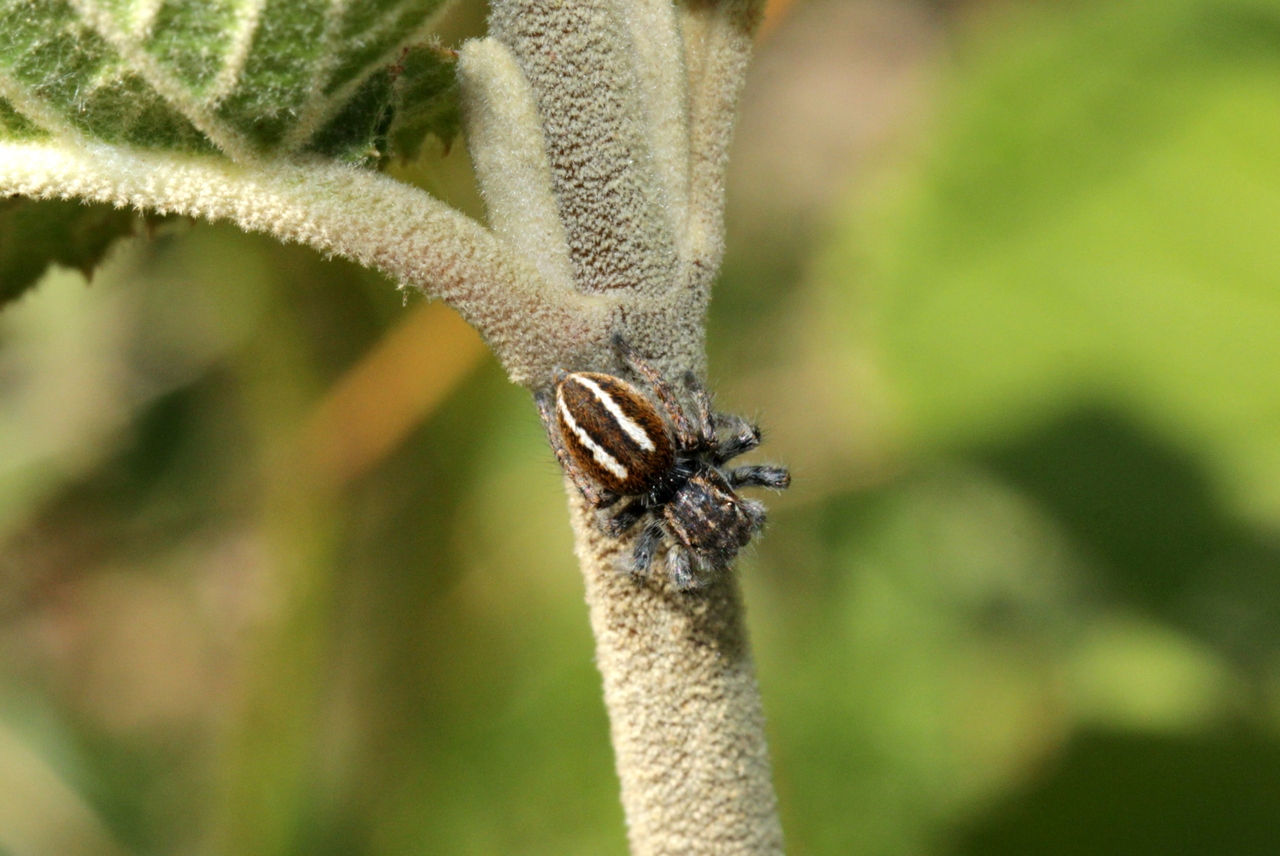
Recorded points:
599,131
684,709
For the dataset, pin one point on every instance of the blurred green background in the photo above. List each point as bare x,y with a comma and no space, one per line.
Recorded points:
1003,286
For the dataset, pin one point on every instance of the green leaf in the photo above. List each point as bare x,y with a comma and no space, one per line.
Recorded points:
358,133
244,78
396,110
426,97
37,233
251,80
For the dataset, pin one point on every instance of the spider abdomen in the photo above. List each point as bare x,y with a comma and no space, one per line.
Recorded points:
613,432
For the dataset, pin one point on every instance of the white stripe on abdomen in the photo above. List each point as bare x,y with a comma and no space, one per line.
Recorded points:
625,422
603,458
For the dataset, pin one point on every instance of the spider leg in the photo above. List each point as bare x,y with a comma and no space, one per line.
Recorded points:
745,438
706,414
684,434
680,568
626,518
646,546
599,499
759,476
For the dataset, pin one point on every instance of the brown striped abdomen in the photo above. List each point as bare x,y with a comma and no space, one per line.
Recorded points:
613,432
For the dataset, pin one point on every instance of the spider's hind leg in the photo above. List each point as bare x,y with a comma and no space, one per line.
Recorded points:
625,518
684,433
706,427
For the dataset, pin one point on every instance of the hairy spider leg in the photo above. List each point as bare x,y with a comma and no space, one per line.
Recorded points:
646,547
706,412
756,511
684,434
759,476
626,517
596,498
745,438
680,567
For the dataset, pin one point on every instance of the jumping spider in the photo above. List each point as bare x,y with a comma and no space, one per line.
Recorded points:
615,444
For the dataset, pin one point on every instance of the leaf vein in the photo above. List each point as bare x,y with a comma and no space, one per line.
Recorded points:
162,82
314,109
37,111
248,17
325,108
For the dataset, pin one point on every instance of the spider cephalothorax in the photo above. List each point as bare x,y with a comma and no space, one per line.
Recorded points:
615,444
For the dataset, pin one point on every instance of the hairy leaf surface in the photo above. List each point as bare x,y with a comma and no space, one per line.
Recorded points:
244,78
255,81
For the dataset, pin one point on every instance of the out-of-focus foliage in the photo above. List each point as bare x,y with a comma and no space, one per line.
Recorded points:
37,233
1000,287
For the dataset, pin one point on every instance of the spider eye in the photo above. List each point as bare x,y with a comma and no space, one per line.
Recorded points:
613,432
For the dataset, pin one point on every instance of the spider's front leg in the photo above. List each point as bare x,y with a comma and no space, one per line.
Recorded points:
595,497
778,478
680,567
744,438
756,511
